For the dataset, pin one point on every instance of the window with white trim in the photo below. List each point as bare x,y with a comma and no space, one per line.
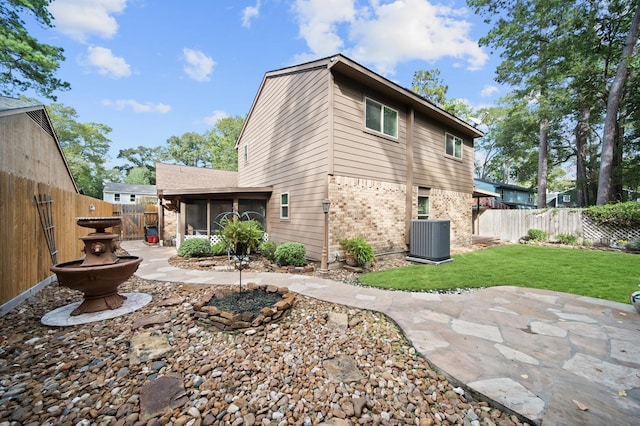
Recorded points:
116,197
453,146
132,198
380,118
246,152
423,203
284,205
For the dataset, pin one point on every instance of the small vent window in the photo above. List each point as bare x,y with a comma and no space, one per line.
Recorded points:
39,117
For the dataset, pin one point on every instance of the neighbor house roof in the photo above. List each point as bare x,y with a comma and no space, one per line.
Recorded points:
38,113
173,179
129,188
340,64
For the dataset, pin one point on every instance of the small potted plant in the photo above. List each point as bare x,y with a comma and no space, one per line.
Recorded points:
358,252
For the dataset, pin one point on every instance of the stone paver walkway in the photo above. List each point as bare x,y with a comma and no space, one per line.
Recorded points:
542,354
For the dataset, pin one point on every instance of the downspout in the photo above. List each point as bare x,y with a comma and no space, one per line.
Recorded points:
409,184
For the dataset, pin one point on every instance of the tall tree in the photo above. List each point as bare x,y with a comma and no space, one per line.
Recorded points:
142,157
85,147
221,141
611,127
429,85
26,63
189,149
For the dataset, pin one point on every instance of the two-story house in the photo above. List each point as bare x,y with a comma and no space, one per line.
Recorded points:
334,130
125,193
509,196
382,155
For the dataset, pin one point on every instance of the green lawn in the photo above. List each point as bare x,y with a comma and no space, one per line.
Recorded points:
595,273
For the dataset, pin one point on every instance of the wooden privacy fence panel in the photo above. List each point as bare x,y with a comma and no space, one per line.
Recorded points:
135,217
511,225
24,255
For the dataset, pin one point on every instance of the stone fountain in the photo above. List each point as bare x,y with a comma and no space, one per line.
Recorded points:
101,271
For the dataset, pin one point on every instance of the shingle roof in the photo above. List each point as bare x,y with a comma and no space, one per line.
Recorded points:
173,176
129,188
15,105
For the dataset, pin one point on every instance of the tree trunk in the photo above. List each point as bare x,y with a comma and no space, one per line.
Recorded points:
542,165
617,175
582,138
613,105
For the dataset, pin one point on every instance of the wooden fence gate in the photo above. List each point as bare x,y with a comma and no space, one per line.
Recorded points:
135,219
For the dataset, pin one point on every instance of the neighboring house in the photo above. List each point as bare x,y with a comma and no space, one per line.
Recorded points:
125,193
510,196
568,198
334,130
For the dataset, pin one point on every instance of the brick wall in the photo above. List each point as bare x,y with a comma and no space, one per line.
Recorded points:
453,206
376,210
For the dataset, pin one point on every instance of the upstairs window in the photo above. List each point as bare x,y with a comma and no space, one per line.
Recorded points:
284,205
132,198
116,197
246,152
453,146
381,118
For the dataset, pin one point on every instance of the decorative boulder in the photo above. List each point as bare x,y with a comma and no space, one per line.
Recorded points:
635,300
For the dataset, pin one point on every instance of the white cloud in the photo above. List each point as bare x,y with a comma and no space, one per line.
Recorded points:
386,33
136,106
79,19
215,116
199,66
249,13
488,90
106,63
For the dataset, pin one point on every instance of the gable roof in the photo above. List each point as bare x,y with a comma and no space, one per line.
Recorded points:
129,188
342,65
38,113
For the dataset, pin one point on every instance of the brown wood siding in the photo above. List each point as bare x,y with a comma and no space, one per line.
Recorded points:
361,153
287,133
25,259
432,167
28,151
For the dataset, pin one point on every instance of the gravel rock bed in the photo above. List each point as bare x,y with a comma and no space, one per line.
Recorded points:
276,375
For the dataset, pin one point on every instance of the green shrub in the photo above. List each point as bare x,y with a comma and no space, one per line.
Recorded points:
290,254
634,245
361,251
567,239
268,250
242,236
620,214
537,235
219,248
195,247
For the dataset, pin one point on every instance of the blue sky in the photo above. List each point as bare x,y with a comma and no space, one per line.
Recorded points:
152,69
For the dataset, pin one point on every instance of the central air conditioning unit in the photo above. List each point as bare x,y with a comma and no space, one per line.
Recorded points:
430,241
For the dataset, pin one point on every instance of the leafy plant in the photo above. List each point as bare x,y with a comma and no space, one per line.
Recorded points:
290,254
567,239
195,247
219,248
242,236
268,250
361,251
620,214
537,235
634,245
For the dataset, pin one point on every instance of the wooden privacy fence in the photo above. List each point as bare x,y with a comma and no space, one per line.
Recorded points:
25,256
135,217
511,225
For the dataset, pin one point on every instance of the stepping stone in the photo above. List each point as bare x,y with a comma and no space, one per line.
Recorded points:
171,301
149,320
164,393
146,346
342,368
338,320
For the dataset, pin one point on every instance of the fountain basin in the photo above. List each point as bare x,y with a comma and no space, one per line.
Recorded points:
99,283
